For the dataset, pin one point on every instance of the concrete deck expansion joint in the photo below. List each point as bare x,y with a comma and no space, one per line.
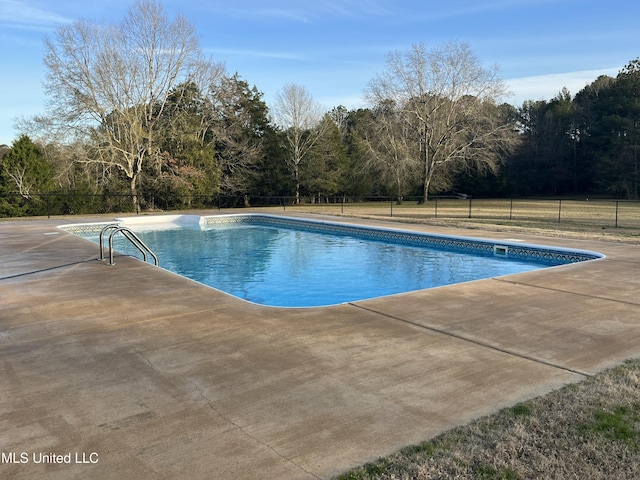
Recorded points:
488,345
244,432
145,374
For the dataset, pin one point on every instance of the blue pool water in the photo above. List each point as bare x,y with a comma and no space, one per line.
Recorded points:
283,266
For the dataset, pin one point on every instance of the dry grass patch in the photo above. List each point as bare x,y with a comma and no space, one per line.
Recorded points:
594,220
585,430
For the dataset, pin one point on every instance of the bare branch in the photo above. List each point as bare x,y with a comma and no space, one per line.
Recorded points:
109,83
448,100
299,117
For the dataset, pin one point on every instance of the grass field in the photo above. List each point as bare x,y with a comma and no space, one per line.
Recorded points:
601,219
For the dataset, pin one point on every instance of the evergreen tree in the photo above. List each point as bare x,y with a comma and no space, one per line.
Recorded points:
323,175
25,176
609,130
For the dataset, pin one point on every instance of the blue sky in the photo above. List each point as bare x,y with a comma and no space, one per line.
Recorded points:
334,48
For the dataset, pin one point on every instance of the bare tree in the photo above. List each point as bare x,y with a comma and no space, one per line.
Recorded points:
110,83
299,117
389,139
446,97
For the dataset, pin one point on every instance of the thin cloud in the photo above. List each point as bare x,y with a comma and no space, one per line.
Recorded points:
349,101
355,8
306,12
254,53
21,41
17,14
474,7
546,87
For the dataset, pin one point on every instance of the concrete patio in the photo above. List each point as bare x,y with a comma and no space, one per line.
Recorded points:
137,373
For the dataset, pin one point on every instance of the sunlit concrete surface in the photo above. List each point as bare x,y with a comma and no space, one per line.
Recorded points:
129,371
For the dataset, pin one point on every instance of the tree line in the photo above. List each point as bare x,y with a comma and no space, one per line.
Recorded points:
135,109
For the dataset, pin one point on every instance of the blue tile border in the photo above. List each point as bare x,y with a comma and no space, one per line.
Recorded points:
551,256
85,228
519,251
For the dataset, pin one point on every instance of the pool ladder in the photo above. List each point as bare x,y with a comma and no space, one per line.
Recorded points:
129,235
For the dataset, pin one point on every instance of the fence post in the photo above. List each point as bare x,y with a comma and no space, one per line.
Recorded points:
617,203
559,209
511,209
391,203
48,209
469,207
436,209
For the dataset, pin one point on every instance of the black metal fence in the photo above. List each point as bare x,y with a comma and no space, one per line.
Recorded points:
595,212
600,213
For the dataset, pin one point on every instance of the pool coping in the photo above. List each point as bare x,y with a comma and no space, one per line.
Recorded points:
548,256
203,383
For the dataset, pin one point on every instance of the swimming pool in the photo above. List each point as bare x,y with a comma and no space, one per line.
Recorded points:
281,261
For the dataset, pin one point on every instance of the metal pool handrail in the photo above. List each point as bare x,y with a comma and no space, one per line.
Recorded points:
129,235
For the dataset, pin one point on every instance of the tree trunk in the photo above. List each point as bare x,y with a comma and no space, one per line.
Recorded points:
297,177
424,156
399,193
134,193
